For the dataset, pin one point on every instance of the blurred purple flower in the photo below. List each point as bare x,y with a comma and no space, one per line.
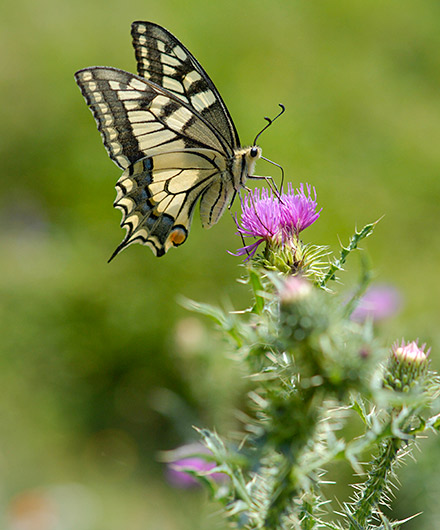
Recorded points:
191,458
266,217
379,302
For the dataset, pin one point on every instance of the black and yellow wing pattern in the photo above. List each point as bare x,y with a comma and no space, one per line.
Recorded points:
170,131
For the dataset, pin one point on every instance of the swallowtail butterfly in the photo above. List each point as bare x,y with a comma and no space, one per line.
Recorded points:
170,131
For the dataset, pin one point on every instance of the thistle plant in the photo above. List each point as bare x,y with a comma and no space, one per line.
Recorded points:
312,363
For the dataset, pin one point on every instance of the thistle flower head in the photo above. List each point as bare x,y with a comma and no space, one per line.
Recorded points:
260,218
276,220
298,210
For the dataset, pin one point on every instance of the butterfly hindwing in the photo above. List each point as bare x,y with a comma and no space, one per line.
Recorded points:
158,194
165,61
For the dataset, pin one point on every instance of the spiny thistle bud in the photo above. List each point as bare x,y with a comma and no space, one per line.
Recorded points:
408,364
295,288
301,310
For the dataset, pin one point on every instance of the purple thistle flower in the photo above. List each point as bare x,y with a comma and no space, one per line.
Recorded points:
260,217
274,219
298,211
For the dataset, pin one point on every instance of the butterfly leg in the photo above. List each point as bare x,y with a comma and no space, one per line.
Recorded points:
278,166
254,205
270,182
234,217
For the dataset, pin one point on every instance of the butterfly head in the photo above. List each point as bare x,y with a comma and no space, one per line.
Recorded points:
252,154
255,152
246,160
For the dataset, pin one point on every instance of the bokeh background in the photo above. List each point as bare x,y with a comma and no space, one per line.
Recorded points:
100,368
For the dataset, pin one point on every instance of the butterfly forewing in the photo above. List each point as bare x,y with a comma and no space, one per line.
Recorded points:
165,61
136,118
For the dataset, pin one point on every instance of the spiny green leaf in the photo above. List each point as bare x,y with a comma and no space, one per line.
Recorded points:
360,409
338,264
210,311
434,422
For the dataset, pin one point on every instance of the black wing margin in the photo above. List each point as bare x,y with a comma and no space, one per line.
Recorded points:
165,61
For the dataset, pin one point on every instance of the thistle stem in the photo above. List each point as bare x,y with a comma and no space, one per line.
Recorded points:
287,485
375,485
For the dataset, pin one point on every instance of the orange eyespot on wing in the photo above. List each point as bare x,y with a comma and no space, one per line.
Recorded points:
178,235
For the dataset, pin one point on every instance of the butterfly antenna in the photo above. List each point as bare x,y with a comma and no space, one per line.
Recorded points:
270,121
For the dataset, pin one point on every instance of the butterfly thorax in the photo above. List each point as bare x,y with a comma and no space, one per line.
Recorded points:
243,164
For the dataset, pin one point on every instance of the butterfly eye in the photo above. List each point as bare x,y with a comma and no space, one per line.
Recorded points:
254,152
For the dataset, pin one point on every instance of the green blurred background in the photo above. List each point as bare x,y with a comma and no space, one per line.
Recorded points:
100,368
